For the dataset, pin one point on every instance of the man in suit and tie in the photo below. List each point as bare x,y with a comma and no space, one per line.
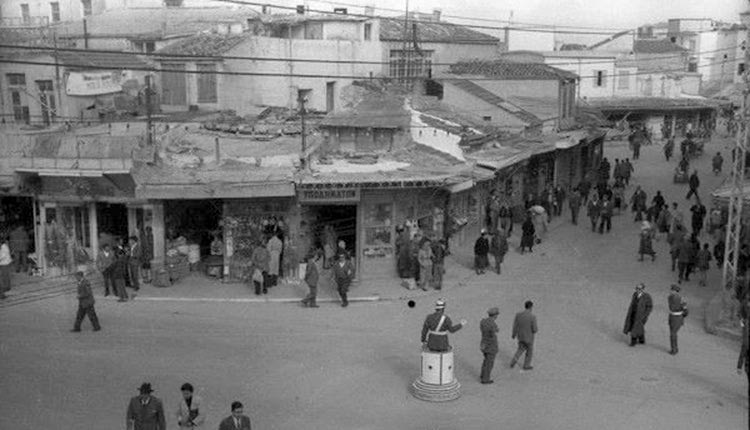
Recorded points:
146,412
236,421
524,328
488,346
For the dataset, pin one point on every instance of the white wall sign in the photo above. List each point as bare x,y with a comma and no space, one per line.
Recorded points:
93,83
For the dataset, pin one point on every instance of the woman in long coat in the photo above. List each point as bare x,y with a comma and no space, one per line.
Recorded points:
425,265
403,251
274,246
638,312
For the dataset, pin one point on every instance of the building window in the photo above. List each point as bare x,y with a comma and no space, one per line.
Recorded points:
487,118
741,69
601,78
86,7
692,67
150,46
409,64
16,79
623,80
368,31
25,14
55,10
691,45
207,83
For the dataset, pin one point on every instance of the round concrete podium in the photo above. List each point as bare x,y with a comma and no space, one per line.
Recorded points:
436,383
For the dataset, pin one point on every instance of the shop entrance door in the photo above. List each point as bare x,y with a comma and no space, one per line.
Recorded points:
112,220
332,224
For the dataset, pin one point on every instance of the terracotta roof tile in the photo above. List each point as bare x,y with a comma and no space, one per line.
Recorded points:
393,30
101,60
508,70
204,44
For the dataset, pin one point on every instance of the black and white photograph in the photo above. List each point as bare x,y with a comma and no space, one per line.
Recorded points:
374,215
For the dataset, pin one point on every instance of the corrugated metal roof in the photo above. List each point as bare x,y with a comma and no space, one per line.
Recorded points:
393,30
510,70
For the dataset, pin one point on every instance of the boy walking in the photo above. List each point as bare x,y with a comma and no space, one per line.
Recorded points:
85,303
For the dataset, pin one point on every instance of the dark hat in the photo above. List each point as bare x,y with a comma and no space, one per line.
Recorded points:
146,388
493,311
675,287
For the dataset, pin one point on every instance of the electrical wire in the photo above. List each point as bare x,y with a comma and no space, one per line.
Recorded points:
321,76
475,26
306,60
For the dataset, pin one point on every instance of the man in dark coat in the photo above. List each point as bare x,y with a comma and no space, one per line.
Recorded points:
436,327
343,274
677,313
488,346
438,261
145,412
699,212
481,251
134,262
638,312
575,205
311,279
685,256
524,328
605,213
85,303
119,272
498,248
237,421
403,254
527,234
693,183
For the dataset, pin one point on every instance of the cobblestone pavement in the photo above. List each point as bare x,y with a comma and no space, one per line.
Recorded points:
334,368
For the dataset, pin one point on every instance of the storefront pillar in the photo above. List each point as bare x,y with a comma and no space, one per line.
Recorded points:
158,231
93,231
41,248
132,222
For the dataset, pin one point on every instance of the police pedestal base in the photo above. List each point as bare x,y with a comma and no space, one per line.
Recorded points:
436,384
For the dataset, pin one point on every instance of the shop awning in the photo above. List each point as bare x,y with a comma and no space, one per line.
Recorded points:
215,190
75,173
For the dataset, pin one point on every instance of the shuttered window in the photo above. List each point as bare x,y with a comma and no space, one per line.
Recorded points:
207,83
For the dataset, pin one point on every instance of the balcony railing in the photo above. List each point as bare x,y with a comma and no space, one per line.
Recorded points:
18,21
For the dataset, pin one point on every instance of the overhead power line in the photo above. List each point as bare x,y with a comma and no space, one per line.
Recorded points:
314,76
320,61
509,22
474,26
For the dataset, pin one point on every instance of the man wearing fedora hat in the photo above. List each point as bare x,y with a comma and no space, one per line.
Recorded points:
145,412
677,313
436,327
488,346
638,312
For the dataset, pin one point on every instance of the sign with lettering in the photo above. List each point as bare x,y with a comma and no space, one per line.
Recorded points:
93,83
333,195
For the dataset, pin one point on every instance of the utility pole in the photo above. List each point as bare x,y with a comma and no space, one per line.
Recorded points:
734,222
303,155
149,125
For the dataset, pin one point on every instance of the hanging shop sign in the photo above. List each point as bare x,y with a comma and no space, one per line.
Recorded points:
334,195
93,83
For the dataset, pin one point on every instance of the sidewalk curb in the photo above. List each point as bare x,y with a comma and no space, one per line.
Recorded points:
365,299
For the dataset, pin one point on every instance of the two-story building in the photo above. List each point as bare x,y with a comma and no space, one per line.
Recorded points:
45,87
278,61
531,98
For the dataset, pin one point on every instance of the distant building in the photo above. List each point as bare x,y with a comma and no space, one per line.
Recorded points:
529,98
332,49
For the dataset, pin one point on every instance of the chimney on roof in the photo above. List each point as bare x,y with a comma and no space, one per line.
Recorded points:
436,15
369,10
340,10
300,9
